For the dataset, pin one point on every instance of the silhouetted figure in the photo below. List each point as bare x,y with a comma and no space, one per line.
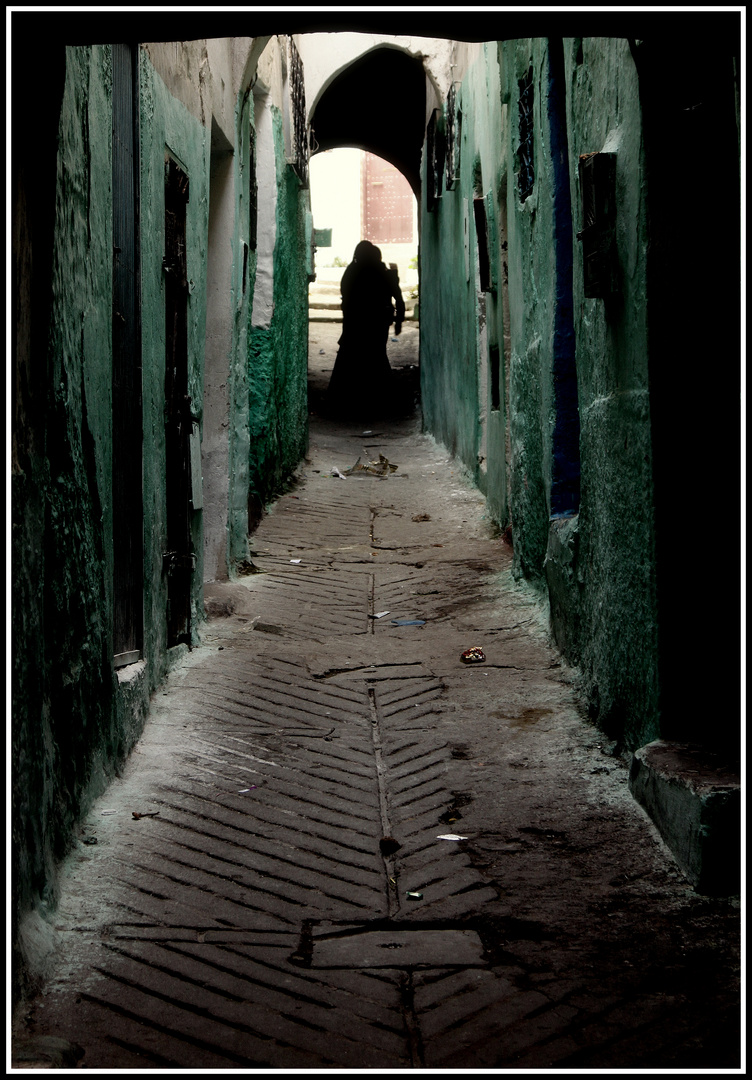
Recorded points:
361,379
399,303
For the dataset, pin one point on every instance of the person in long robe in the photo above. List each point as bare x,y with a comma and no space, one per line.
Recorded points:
361,380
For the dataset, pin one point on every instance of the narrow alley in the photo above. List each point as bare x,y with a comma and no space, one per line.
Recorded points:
372,702
337,845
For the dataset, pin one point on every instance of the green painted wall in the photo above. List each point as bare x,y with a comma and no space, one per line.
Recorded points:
66,739
616,642
278,355
74,721
167,126
597,565
531,287
239,433
451,389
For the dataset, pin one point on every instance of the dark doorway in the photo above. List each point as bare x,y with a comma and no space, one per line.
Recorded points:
180,560
127,426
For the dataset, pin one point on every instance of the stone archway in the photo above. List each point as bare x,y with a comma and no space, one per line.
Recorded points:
377,103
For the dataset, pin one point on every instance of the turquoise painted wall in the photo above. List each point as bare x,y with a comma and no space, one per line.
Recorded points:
239,449
73,721
66,739
451,388
167,126
616,642
278,355
597,565
456,348
531,268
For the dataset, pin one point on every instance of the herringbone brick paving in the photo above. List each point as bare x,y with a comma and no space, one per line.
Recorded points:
302,764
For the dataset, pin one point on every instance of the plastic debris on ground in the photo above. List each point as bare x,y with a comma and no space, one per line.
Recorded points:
378,615
296,560
473,656
337,473
382,467
408,622
451,836
411,894
106,813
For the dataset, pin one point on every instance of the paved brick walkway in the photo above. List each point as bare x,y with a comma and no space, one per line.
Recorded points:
292,904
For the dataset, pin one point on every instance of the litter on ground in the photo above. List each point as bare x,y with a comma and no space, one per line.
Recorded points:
382,467
473,656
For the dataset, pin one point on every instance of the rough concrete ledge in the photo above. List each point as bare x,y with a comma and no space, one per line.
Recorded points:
694,799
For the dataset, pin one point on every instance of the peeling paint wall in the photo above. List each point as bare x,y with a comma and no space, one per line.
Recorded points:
596,562
67,733
615,564
170,128
278,347
76,717
276,340
455,347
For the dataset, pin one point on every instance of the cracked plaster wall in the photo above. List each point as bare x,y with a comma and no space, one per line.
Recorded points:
597,567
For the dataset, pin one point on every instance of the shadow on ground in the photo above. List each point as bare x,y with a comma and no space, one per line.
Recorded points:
403,359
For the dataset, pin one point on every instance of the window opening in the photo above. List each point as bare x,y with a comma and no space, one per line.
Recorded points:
298,109
495,363
526,175
453,138
435,152
481,232
597,174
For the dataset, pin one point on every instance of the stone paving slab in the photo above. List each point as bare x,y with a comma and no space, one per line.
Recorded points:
239,928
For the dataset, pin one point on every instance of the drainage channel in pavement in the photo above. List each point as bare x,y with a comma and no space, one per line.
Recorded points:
292,905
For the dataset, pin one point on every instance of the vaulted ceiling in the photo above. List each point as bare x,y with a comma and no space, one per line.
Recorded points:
378,103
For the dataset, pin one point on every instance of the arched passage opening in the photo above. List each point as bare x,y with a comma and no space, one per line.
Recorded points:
378,103
357,196
367,132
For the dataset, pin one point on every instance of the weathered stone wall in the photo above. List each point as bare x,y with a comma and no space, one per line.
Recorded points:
458,320
278,347
531,293
74,718
616,644
169,127
63,685
597,561
270,383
